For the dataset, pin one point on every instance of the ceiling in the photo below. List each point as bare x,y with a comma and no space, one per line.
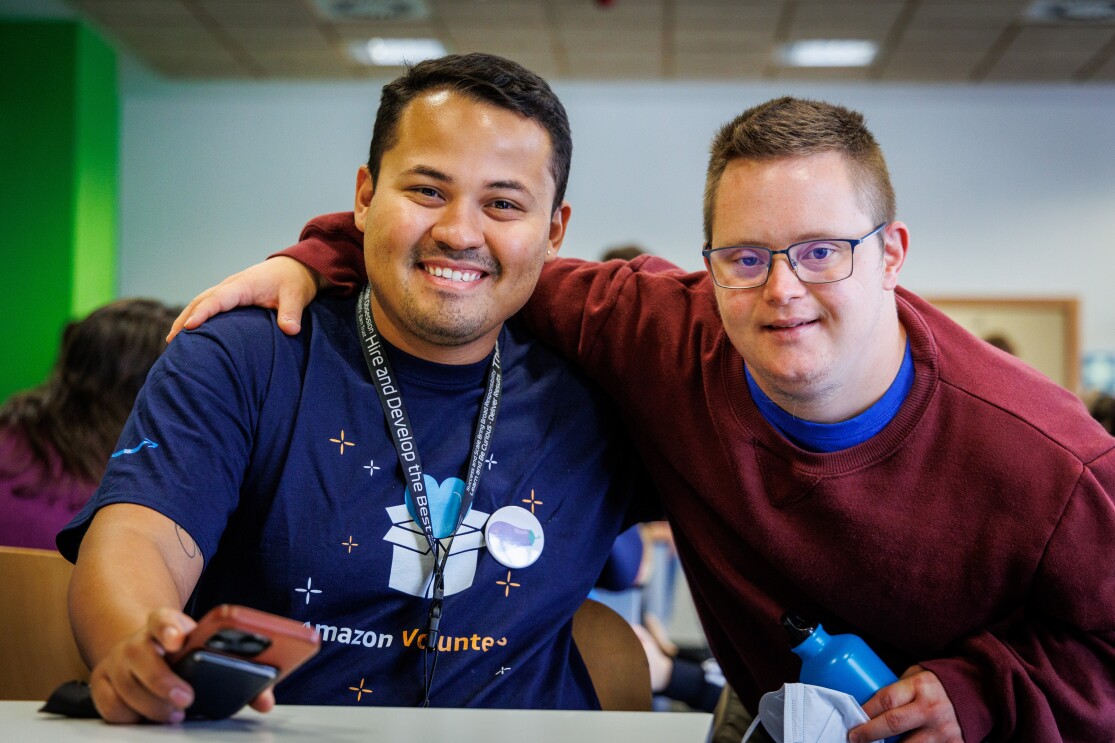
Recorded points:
920,40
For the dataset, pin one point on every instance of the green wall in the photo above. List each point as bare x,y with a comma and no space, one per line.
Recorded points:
59,135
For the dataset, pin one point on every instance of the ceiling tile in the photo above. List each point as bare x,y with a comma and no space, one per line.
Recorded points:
827,74
858,20
507,46
240,14
622,14
614,65
384,30
139,13
732,15
197,64
986,13
721,40
178,41
940,64
498,12
1106,71
301,40
959,39
611,41
1076,42
718,65
945,40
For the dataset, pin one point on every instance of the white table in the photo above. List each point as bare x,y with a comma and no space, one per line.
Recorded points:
19,721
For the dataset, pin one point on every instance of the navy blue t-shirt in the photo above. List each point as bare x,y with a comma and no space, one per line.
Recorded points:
273,453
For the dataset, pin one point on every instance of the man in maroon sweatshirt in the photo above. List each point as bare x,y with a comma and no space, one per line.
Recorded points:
827,442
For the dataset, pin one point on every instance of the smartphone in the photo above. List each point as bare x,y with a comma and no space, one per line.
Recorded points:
235,653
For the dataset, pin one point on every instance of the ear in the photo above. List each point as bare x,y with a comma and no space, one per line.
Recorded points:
896,241
558,224
364,192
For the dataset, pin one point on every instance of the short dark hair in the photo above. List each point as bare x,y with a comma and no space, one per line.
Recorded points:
103,360
489,79
788,127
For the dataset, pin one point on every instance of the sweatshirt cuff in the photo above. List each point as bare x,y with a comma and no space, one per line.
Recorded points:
962,682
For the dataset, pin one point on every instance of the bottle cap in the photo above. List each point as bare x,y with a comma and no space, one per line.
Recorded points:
797,628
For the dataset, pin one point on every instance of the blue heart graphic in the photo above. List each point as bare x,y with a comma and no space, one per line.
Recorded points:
444,503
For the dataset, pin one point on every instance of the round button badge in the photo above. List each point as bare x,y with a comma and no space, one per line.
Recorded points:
514,537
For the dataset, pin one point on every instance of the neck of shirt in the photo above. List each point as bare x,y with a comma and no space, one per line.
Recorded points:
830,437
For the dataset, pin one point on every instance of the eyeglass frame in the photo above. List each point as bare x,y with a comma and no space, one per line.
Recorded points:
853,244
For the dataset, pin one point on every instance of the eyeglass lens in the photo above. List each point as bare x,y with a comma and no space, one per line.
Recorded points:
818,262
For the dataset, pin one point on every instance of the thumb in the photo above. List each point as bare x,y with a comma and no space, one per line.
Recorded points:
169,628
264,702
291,303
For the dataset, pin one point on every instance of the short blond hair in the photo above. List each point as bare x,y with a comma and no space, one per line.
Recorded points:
789,127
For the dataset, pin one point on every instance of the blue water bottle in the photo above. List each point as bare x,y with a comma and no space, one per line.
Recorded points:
841,662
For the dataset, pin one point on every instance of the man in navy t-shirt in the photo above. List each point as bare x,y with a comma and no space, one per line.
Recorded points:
406,454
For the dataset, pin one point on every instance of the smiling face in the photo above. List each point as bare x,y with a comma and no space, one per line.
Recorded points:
458,225
824,352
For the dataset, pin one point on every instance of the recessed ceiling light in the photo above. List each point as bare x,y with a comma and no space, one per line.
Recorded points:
372,10
396,52
1072,11
829,53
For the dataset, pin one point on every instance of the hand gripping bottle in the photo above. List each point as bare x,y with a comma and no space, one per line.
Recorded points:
841,662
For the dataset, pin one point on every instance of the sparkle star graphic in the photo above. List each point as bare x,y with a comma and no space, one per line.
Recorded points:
507,585
350,544
341,441
370,466
360,690
310,581
532,501
491,460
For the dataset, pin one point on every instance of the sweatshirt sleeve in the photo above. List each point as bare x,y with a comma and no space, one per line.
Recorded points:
1048,671
576,300
333,246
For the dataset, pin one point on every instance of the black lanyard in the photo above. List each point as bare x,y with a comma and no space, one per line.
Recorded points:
402,434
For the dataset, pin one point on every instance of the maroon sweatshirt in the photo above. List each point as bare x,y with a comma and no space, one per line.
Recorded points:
975,534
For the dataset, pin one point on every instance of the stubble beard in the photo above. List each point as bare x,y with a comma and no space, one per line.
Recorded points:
445,319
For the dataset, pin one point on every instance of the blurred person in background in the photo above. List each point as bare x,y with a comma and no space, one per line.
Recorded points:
623,252
56,439
1102,408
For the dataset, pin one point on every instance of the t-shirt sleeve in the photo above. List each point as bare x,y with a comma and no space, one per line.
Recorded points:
185,447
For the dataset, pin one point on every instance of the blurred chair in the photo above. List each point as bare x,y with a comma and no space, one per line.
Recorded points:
37,649
614,657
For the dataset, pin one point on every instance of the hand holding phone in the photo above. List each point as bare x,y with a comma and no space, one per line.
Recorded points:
235,653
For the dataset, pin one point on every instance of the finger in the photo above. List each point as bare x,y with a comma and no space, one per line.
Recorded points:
108,703
226,296
291,303
180,321
169,628
265,702
143,685
894,695
891,722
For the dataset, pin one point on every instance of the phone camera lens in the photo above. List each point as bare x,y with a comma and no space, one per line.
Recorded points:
237,642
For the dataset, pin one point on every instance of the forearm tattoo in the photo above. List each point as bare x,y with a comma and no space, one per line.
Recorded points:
189,546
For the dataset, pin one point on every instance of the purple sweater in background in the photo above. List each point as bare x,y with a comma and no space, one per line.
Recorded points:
36,499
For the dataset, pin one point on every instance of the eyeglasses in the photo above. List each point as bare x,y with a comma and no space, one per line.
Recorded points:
813,262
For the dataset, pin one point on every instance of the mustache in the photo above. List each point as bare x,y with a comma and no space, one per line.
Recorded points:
477,257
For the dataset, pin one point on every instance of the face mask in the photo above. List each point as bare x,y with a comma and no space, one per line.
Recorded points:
800,713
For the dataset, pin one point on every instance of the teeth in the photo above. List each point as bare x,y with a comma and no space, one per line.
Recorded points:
447,273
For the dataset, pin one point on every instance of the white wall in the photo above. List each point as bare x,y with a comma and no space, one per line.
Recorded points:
1008,190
